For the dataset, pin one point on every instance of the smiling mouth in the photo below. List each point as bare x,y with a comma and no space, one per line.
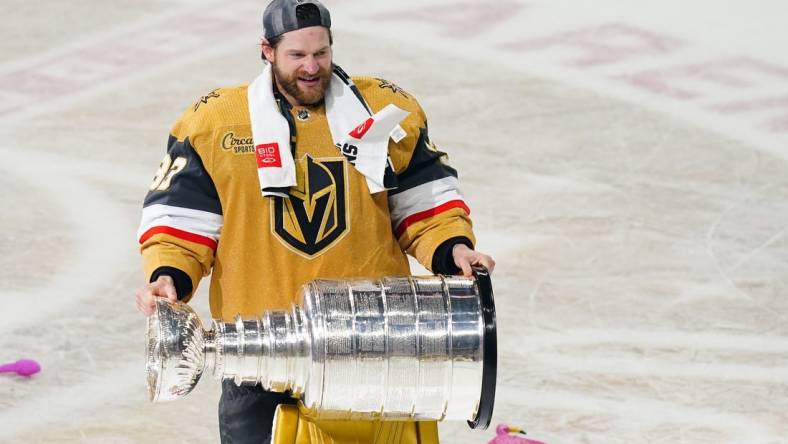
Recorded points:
309,81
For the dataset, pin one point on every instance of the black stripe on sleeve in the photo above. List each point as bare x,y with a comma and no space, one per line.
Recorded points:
389,177
425,166
192,187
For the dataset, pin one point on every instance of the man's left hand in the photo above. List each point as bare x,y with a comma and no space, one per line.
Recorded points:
465,258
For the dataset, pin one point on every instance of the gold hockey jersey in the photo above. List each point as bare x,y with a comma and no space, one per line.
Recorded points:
205,214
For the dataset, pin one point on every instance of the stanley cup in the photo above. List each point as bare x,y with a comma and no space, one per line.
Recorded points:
397,348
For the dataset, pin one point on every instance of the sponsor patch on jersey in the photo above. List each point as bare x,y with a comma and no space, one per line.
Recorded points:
315,216
268,155
236,142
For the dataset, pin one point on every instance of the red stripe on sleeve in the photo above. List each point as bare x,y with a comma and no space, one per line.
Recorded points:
421,215
185,235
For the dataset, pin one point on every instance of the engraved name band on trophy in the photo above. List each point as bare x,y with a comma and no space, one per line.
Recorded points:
395,348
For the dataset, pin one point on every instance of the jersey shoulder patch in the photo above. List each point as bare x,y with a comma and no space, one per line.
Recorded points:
217,108
380,92
219,98
384,84
215,94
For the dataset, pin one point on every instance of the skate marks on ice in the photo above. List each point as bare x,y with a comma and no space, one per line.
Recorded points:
631,227
103,63
645,59
77,318
96,234
669,354
65,76
61,318
69,302
627,386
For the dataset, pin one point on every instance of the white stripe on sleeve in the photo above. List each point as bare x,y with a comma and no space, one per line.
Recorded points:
423,197
202,223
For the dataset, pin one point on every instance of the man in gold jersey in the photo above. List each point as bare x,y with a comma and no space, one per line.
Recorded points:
266,199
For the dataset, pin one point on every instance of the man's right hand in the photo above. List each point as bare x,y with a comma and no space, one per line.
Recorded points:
164,287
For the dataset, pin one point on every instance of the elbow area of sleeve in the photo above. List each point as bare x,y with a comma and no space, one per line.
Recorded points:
422,239
161,255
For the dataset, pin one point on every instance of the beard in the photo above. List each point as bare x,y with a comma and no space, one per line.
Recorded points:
304,96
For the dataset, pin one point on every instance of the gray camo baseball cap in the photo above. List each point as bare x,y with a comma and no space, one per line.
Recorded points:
282,16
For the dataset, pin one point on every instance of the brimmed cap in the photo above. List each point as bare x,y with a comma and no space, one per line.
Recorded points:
282,16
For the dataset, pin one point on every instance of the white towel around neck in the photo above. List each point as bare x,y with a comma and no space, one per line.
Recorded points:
361,138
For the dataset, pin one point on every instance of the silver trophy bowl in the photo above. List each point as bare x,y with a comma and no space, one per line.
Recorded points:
414,348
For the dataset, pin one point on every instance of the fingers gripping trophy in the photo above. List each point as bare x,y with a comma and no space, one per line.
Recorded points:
407,348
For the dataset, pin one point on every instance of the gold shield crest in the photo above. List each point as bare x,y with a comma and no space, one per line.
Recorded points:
314,216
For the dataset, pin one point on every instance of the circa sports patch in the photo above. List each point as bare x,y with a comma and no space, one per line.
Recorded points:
314,216
235,139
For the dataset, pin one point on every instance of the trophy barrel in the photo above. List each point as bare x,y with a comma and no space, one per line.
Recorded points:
397,348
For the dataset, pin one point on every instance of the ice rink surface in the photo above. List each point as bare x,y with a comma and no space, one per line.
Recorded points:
625,163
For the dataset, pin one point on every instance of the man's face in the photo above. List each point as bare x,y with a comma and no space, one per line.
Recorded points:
302,65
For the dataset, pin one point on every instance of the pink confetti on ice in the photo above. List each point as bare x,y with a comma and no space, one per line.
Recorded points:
502,436
22,367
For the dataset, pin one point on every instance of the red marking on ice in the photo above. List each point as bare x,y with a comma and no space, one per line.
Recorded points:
760,106
604,44
119,56
462,19
752,105
778,125
687,82
33,84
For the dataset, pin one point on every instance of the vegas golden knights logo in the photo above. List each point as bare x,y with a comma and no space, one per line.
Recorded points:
315,215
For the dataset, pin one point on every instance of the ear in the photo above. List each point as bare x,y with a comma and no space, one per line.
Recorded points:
268,51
